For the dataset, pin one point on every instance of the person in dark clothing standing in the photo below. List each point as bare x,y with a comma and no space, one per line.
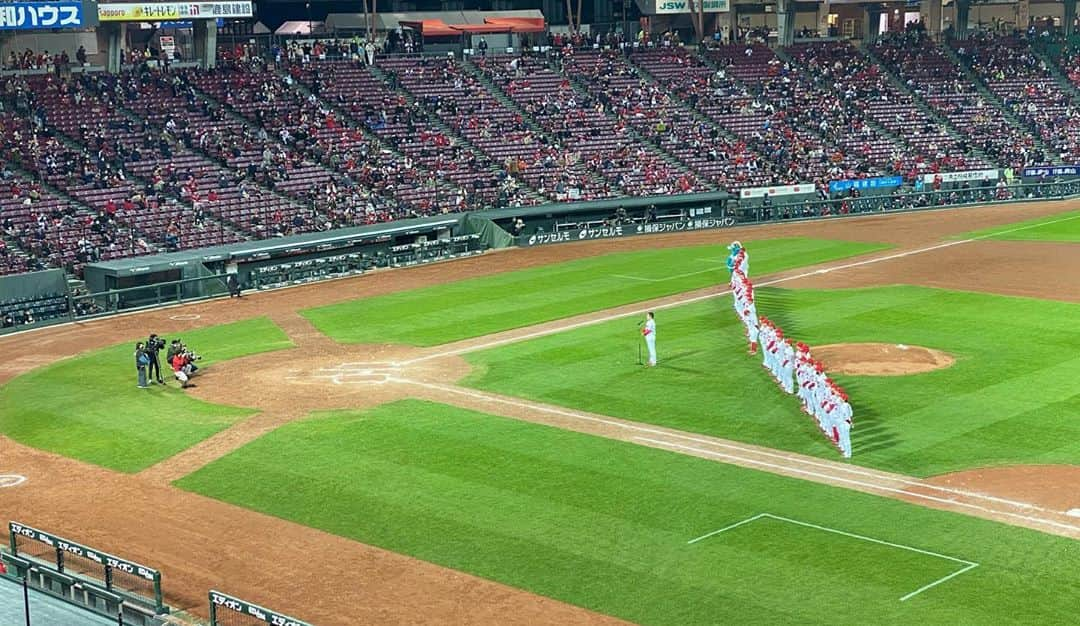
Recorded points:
174,347
141,361
234,286
153,346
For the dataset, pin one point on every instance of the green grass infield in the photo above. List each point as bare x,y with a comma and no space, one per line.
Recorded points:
611,526
481,306
1011,397
89,407
1062,227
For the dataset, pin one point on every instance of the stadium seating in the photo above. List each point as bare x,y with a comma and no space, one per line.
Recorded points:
618,90
581,137
700,142
300,145
99,172
99,166
1025,84
51,230
447,90
928,70
1069,63
867,94
801,124
407,128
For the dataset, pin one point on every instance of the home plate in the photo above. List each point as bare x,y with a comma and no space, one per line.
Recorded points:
1073,513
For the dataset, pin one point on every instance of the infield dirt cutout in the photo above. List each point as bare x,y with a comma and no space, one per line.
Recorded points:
294,382
881,359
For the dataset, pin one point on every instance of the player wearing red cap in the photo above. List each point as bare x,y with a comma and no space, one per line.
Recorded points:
752,328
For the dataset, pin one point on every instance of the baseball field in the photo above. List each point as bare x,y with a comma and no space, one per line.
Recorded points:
476,441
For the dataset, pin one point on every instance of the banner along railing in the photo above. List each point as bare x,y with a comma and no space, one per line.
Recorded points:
137,583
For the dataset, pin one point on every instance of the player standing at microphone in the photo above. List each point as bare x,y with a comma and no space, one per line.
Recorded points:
648,331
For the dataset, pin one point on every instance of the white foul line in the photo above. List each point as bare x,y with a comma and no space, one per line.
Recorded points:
693,299
726,528
938,582
968,565
783,469
778,468
858,471
667,278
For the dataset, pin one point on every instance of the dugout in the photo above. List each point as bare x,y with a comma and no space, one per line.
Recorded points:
194,274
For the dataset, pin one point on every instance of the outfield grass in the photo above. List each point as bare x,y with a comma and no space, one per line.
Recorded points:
489,304
1061,227
89,407
605,524
1011,397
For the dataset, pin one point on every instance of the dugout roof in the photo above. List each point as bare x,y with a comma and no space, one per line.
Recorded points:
278,245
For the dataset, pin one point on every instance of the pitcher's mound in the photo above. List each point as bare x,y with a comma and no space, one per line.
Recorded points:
880,359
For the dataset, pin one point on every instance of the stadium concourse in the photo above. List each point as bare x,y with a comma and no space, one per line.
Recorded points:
199,542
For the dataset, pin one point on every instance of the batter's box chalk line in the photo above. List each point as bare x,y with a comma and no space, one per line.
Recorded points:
967,565
11,480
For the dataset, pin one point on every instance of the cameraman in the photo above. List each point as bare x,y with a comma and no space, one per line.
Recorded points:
174,347
191,358
153,346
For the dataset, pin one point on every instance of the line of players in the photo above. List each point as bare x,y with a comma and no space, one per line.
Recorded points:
790,364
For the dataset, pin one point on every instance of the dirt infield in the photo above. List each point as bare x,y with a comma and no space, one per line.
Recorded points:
201,543
1051,486
881,359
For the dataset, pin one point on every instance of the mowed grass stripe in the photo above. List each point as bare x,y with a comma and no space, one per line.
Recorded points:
89,408
1010,398
604,524
1063,227
481,306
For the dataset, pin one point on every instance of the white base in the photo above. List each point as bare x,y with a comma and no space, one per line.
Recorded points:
1073,513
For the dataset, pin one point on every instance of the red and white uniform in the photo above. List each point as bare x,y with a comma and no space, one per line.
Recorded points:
649,332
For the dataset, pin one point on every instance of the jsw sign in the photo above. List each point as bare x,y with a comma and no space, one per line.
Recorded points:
667,7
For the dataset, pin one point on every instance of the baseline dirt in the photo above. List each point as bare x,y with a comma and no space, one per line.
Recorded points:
881,359
1051,486
200,543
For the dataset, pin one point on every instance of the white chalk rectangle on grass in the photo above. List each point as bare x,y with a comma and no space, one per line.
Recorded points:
968,565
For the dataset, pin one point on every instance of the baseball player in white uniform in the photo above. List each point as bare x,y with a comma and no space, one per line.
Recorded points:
843,426
775,346
787,367
649,332
767,339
